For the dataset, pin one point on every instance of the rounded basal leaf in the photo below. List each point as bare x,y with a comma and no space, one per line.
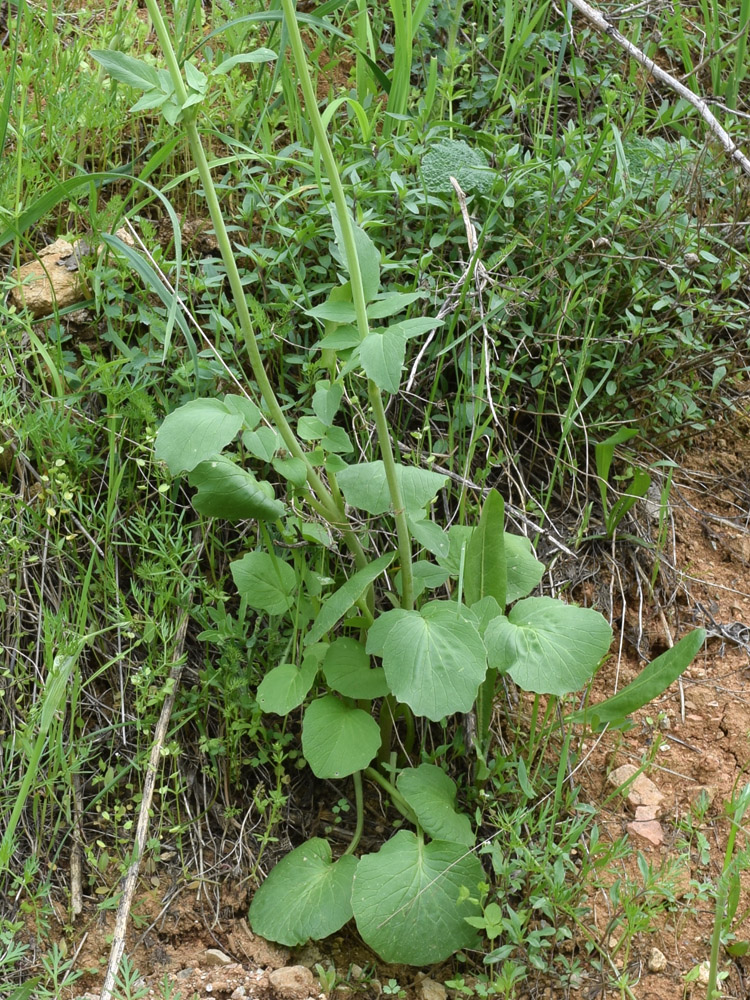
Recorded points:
432,795
305,896
194,432
408,900
268,583
523,569
347,670
546,646
286,686
434,660
226,490
338,740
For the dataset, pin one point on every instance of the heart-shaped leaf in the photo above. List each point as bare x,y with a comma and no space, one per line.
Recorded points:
265,581
195,432
382,354
327,400
347,670
523,569
338,740
547,646
226,490
305,896
434,660
365,486
432,795
408,900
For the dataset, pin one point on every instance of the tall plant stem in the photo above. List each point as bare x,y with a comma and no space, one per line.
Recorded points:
333,512
358,296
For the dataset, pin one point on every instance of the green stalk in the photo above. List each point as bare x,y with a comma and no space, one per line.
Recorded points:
333,513
360,807
358,295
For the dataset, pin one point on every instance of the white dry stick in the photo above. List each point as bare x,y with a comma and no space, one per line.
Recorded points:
131,878
602,24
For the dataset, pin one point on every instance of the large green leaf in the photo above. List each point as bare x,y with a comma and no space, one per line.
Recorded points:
335,607
432,795
652,681
305,896
430,535
126,69
265,581
347,670
336,739
408,900
285,687
327,400
391,303
195,432
365,486
226,490
382,354
434,660
547,646
484,569
523,569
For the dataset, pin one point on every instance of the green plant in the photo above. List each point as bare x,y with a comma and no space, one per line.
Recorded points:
439,656
635,490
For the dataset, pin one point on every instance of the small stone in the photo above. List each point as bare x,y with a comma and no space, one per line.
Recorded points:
657,961
641,792
429,989
647,828
356,972
212,957
293,982
704,973
239,993
184,973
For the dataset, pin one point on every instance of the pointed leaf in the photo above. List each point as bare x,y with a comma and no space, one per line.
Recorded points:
434,660
335,607
652,681
367,254
262,444
338,740
432,795
245,407
406,899
547,646
327,400
305,896
226,490
484,570
430,535
260,55
347,670
195,432
285,687
391,304
267,582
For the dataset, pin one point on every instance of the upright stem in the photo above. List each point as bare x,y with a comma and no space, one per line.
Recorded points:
358,297
334,512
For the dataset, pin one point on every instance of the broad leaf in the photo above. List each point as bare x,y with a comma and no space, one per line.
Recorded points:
484,570
431,536
547,646
126,69
265,581
335,607
335,311
382,355
365,486
338,740
434,660
347,670
652,681
408,900
305,896
432,795
226,490
523,569
195,432
285,687
293,469
245,407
